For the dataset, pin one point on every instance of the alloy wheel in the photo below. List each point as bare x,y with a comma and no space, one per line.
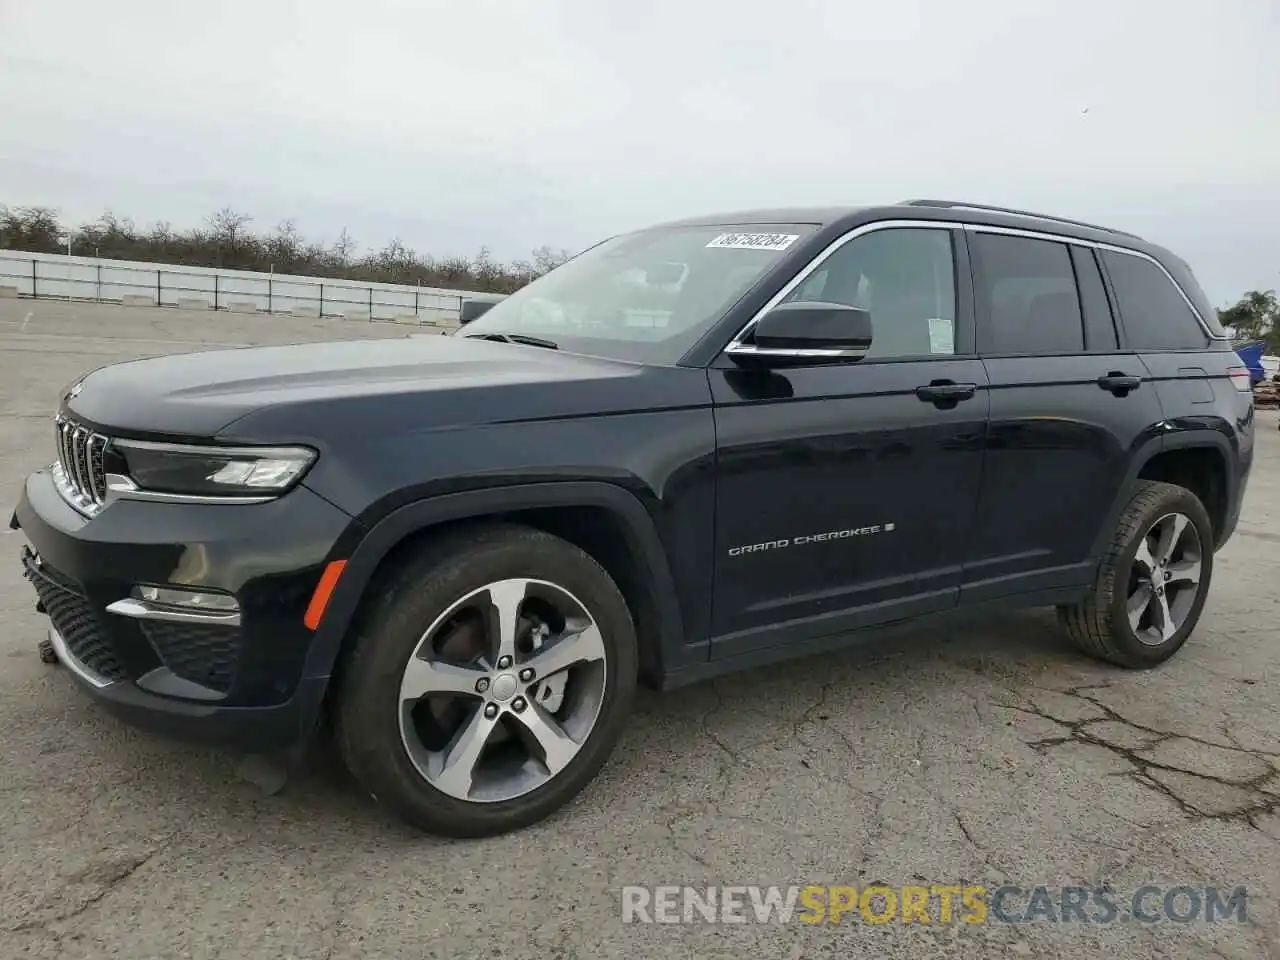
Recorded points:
502,690
1164,580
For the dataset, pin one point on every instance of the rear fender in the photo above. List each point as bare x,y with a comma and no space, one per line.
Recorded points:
1154,446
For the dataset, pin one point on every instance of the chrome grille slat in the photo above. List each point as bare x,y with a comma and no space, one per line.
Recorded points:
64,446
79,473
62,443
72,473
97,474
79,440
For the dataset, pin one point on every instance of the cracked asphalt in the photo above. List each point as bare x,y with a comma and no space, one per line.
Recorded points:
990,753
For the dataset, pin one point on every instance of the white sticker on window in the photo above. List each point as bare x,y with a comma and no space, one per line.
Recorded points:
754,241
646,318
942,336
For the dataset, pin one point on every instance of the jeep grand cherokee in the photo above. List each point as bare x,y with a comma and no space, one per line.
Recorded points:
704,446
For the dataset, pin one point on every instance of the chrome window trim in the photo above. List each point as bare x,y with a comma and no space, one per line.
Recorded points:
736,344
751,350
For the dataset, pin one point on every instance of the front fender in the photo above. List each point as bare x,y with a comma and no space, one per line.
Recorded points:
369,546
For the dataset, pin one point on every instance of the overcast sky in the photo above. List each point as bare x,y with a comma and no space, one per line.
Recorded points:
515,123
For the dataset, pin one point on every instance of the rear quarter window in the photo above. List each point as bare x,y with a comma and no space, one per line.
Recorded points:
1187,280
1154,315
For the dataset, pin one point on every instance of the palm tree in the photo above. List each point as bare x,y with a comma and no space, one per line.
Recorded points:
1255,316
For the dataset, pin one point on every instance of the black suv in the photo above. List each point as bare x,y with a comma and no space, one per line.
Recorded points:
704,446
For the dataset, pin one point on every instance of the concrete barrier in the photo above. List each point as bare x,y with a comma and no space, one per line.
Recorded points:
192,303
137,300
242,306
57,276
10,292
312,312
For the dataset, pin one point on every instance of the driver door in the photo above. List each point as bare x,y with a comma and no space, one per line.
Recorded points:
846,492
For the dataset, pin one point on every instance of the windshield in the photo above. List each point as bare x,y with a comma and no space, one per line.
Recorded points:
646,296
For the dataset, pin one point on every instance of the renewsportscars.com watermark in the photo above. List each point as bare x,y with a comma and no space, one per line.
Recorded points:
934,904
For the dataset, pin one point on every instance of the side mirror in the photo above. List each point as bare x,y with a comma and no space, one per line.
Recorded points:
804,333
471,309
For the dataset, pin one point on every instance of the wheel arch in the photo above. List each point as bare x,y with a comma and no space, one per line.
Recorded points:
1198,460
607,521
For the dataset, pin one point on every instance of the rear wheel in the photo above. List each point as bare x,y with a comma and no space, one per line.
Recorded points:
1152,583
489,682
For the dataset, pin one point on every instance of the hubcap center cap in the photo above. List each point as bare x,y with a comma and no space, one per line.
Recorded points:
504,686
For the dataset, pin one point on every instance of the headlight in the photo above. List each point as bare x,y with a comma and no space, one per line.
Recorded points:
180,469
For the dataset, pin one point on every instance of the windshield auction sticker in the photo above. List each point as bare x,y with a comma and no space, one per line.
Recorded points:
754,241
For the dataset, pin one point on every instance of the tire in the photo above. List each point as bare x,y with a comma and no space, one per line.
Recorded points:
1100,625
384,750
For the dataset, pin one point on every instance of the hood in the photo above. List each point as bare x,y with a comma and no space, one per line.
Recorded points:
438,381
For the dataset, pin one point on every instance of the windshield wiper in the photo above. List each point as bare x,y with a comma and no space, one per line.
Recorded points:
515,338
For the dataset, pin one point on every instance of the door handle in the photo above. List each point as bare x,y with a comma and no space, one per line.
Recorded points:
1119,383
946,393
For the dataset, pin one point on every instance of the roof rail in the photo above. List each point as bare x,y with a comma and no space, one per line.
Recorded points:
960,204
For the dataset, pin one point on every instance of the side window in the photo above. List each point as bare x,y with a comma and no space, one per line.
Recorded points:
1099,325
1154,315
905,278
1027,289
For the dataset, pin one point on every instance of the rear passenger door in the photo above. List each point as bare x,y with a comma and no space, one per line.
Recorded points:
1067,407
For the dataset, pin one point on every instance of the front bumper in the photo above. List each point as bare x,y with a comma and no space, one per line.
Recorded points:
236,684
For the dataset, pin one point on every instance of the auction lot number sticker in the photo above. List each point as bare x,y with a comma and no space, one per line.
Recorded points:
754,241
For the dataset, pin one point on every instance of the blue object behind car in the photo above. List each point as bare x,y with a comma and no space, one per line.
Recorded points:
1250,354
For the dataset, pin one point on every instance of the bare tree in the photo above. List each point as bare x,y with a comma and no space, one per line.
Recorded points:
344,247
228,231
226,240
284,248
545,259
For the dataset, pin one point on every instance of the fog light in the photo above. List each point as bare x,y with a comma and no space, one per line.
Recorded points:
189,599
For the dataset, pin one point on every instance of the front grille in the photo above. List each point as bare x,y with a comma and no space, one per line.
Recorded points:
202,653
78,472
76,621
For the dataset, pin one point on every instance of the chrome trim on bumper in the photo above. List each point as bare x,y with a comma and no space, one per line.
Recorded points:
141,610
72,663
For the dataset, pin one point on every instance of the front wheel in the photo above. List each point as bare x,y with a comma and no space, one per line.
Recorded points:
1152,583
489,682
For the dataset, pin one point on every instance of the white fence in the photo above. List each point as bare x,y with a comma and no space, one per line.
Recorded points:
54,276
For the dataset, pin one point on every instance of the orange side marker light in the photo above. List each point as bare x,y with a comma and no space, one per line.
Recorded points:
324,590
